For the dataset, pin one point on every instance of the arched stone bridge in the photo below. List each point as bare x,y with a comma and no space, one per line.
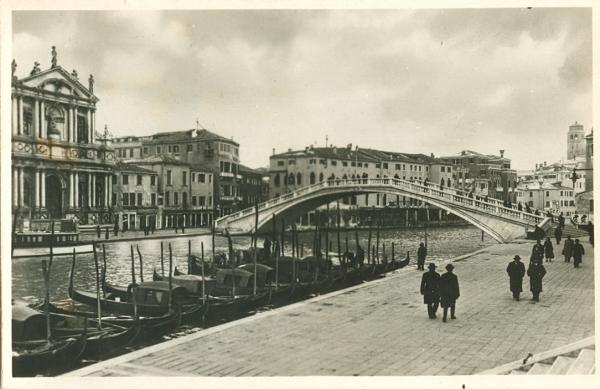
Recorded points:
502,223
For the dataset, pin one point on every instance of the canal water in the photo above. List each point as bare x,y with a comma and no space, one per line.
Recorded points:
27,281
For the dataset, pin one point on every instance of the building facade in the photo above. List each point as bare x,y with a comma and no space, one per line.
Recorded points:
484,175
184,192
253,187
196,147
59,170
547,197
134,197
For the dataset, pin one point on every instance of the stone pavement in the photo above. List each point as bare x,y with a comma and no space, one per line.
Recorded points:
381,328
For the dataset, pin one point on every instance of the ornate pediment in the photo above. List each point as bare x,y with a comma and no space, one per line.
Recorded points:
58,80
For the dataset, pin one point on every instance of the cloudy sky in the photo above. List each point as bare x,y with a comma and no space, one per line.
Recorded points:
431,81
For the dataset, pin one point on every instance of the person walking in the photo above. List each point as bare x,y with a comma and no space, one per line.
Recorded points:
430,289
568,249
590,229
561,221
536,273
577,253
516,272
548,250
558,234
449,292
537,252
267,248
421,254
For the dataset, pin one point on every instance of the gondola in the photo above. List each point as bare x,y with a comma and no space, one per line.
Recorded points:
32,353
404,262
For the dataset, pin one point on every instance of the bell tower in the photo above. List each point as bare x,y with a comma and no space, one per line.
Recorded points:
575,141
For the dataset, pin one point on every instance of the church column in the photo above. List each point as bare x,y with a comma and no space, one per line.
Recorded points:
93,125
90,131
71,190
20,129
15,115
36,114
43,119
76,189
94,190
43,174
75,124
89,186
70,125
15,186
106,194
21,186
38,190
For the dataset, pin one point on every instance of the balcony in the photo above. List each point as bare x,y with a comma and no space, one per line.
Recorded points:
227,174
45,149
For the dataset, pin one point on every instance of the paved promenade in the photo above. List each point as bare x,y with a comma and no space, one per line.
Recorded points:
381,328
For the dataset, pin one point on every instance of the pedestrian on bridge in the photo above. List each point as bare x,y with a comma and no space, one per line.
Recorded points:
520,206
558,234
449,291
421,255
516,272
568,249
536,273
430,289
548,250
577,253
537,252
561,221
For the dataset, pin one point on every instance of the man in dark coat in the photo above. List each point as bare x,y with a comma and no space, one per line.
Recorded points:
430,289
548,250
590,229
536,273
519,206
561,220
267,247
449,291
516,272
537,252
421,254
568,249
558,234
577,253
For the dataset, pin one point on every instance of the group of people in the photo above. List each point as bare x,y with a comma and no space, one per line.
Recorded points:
440,290
516,273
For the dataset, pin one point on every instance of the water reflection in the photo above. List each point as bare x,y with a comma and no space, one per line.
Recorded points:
27,279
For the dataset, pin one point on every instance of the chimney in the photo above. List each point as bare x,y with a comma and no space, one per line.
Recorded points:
501,153
349,146
544,163
334,149
463,152
432,156
289,150
273,150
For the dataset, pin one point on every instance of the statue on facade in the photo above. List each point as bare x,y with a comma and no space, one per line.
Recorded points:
74,74
53,56
14,70
36,68
91,83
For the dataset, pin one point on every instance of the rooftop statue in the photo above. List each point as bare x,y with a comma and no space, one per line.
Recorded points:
91,83
14,69
74,73
36,68
53,56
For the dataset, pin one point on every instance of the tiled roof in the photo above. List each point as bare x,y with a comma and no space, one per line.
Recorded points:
192,134
133,168
156,159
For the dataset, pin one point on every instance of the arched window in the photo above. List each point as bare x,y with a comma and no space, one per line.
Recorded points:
299,179
291,179
321,177
312,178
82,129
276,179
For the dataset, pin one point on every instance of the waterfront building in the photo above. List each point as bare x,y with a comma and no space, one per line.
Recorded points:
184,192
484,175
198,147
547,197
254,187
585,200
134,196
59,170
558,172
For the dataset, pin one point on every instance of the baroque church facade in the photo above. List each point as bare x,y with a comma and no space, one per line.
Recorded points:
59,169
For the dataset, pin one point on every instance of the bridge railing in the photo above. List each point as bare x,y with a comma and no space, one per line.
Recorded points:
426,189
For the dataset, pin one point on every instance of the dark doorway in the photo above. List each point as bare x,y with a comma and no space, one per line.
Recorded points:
54,196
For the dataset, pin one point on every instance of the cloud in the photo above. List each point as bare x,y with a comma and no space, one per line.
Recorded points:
408,80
